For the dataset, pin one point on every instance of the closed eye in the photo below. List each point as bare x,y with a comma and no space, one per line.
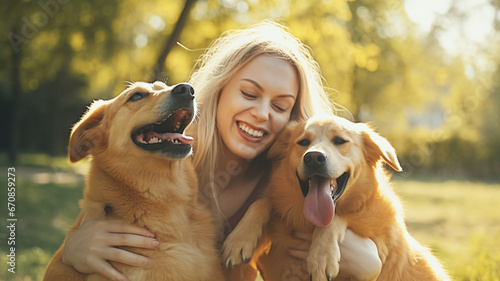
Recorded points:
279,108
304,142
137,96
339,140
247,95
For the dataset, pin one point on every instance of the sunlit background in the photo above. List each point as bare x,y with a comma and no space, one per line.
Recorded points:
425,73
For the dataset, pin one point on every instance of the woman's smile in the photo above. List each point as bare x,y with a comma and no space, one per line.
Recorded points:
251,133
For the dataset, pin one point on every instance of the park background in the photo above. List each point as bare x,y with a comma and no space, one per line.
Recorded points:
425,73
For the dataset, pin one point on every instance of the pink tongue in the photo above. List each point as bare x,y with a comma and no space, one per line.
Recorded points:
176,136
319,208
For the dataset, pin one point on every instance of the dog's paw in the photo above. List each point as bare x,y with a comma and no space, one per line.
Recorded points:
323,262
239,246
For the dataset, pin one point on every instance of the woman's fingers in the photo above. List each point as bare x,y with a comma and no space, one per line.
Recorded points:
298,254
299,246
132,240
89,248
125,257
118,226
303,235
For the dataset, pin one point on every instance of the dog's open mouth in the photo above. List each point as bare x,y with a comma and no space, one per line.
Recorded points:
336,188
321,195
167,132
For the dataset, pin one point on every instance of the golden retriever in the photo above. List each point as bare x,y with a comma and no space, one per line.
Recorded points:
140,172
328,177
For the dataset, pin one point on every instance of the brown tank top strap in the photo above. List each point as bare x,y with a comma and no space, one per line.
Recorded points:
257,193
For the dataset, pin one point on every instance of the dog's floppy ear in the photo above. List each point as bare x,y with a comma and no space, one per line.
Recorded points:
278,149
376,146
88,132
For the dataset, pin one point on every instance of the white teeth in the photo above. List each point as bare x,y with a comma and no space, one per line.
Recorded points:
250,131
155,140
177,126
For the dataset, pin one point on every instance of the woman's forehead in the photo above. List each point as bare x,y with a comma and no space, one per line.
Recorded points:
270,71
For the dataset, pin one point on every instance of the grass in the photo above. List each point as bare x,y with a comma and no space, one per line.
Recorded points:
459,220
46,206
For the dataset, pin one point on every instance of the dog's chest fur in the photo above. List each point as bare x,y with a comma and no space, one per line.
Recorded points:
157,205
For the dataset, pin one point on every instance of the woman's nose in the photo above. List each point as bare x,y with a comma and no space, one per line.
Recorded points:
260,112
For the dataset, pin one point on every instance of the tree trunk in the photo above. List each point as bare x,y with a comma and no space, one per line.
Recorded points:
16,105
172,39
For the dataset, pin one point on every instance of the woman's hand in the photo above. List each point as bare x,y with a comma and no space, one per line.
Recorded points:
90,247
300,245
359,256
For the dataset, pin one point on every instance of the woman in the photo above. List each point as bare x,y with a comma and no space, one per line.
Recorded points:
250,83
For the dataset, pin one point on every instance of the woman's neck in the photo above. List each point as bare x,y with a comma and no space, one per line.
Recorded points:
235,180
235,169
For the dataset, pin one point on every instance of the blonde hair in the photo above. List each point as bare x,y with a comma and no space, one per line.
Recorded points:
222,60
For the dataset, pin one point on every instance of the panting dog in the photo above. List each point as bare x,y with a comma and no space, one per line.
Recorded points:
327,177
140,172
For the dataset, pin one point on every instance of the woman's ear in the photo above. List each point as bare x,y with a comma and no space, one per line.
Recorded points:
280,145
88,133
376,147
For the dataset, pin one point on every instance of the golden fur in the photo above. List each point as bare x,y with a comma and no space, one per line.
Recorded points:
368,207
155,189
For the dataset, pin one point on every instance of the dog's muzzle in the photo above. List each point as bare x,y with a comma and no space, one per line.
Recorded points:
166,136
315,166
320,188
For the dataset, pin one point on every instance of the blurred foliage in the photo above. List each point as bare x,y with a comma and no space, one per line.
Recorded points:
440,111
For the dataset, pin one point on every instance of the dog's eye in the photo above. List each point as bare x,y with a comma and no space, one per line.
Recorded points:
304,142
339,140
137,96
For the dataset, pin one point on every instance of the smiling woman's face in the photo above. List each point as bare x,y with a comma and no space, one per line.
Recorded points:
255,105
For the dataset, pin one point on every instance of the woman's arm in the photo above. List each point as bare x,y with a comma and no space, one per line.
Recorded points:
359,256
89,247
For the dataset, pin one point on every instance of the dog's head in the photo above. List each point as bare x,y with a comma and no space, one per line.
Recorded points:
146,117
325,154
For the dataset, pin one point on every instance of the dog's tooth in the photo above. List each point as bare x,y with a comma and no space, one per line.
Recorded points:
153,140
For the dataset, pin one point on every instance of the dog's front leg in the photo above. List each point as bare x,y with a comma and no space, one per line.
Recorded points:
242,241
324,254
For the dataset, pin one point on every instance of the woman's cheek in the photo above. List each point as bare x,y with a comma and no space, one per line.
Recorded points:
286,119
281,123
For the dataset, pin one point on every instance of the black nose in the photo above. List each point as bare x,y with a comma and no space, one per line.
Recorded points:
314,159
184,89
